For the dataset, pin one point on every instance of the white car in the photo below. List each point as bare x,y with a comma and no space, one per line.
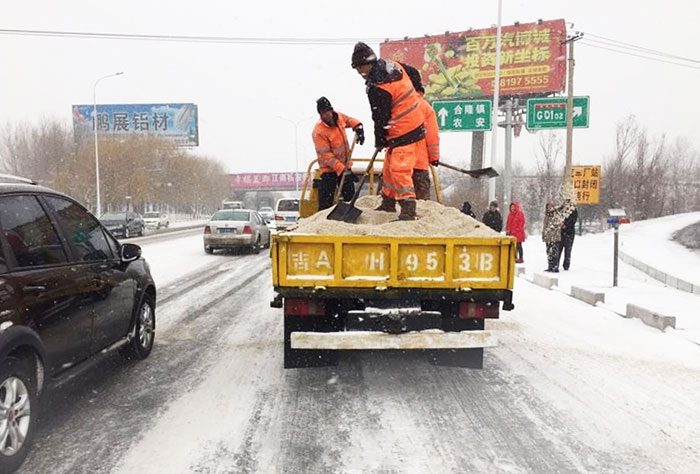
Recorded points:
286,213
232,228
267,213
156,220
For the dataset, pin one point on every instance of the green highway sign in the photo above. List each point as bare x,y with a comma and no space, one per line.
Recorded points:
463,115
551,113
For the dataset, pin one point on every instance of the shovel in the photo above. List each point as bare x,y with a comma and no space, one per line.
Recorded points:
342,180
346,211
480,173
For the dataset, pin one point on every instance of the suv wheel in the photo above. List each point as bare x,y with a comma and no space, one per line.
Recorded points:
18,405
144,331
208,249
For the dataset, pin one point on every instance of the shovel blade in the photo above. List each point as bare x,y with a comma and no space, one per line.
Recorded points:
339,211
352,215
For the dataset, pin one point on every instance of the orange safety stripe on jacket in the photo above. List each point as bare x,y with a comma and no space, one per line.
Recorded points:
331,143
429,152
405,115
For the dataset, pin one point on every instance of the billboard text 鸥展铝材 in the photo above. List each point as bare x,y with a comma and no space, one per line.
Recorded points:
463,65
177,123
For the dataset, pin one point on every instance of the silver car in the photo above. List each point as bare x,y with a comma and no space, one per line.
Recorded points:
267,213
232,228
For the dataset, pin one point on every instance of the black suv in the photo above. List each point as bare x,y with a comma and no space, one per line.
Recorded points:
68,292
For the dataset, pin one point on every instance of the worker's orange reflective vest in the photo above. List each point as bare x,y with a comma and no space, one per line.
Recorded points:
430,151
331,143
405,115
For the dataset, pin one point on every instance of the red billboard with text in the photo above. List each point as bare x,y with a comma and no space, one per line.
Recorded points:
462,65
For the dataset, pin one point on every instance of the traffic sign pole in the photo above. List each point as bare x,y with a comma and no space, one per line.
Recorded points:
570,109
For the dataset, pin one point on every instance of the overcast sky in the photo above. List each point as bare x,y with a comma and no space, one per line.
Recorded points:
241,88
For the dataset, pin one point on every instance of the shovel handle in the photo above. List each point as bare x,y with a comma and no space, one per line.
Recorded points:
364,176
342,179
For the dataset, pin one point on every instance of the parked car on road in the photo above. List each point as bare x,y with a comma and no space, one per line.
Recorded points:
267,213
123,224
156,220
231,228
286,213
69,292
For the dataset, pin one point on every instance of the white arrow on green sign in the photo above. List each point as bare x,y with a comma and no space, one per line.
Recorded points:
463,115
551,113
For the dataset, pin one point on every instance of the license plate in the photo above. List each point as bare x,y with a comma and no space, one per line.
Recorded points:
292,219
227,231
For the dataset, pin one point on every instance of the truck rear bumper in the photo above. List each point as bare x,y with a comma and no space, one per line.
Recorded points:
368,340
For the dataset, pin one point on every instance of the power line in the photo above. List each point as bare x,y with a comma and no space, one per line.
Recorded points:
590,45
622,44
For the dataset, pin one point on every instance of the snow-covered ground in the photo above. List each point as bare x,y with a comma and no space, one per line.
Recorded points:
571,388
648,241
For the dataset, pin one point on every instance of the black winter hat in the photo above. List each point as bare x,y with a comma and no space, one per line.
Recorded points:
362,54
323,104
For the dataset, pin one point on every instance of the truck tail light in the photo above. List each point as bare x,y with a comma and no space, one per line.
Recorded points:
477,310
247,230
279,218
207,229
304,307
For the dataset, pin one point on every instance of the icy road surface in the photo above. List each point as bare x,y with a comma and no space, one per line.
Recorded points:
571,388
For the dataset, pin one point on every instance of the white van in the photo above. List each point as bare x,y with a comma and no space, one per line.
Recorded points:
286,213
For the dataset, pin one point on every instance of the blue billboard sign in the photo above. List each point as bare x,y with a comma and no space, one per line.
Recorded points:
177,123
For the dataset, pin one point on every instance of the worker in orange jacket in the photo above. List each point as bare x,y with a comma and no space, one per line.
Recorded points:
429,153
333,152
398,125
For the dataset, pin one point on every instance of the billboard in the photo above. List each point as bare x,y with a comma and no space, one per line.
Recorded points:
586,182
177,123
265,181
463,65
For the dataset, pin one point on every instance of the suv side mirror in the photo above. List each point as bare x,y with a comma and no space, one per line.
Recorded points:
129,252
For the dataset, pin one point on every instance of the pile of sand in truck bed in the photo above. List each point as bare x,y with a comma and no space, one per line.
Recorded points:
434,219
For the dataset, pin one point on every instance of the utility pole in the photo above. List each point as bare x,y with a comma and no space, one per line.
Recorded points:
496,85
507,185
570,107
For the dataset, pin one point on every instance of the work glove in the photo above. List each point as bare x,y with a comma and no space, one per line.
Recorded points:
360,134
435,163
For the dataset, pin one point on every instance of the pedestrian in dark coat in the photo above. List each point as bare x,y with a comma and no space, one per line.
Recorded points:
568,231
467,209
551,235
492,217
515,226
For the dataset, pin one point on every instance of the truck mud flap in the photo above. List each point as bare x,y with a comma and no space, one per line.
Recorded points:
370,340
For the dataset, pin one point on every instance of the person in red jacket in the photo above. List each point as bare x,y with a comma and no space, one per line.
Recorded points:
515,226
333,152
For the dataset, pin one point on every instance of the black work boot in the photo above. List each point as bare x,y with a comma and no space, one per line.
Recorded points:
408,210
388,204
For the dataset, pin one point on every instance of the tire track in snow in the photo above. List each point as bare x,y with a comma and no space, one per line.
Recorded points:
89,424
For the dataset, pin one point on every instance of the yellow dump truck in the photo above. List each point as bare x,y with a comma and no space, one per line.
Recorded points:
352,292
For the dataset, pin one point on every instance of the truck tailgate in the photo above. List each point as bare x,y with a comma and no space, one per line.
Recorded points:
343,261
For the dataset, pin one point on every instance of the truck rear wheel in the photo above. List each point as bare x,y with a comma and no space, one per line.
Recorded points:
300,358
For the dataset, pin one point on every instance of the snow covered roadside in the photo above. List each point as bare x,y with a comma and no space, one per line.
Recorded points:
652,242
592,268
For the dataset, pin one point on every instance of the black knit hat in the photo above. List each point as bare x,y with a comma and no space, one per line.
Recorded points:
362,54
323,104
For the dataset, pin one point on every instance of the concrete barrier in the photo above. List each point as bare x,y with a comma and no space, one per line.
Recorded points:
519,271
656,274
650,318
545,281
587,296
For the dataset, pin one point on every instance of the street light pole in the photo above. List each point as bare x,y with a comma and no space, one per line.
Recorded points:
496,88
296,145
97,149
